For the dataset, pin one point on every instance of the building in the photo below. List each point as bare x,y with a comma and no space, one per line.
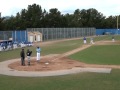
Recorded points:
34,36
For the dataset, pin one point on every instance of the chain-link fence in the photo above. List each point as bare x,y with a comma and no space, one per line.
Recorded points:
5,35
62,33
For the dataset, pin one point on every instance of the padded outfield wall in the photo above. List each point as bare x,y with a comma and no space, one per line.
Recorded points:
107,31
63,33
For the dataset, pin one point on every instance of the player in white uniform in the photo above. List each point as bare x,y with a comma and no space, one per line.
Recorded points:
38,50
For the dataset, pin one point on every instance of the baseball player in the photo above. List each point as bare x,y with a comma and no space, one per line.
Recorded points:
28,53
91,41
113,39
84,40
38,50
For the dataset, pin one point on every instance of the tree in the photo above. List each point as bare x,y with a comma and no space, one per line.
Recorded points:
92,18
111,22
34,16
2,23
76,21
54,18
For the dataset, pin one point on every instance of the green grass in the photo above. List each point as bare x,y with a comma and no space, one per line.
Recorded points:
61,47
12,54
56,48
81,81
104,54
106,37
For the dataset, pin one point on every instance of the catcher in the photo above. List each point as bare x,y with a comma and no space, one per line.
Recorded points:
28,56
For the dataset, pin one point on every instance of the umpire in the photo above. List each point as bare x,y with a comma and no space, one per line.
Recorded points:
22,54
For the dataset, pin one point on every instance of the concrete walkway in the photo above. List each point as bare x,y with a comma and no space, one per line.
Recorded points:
5,70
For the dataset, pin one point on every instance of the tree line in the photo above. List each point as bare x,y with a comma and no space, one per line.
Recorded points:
35,17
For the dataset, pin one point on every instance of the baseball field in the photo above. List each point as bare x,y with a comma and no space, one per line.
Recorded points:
104,54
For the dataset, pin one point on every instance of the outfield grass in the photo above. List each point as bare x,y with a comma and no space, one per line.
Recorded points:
102,54
81,81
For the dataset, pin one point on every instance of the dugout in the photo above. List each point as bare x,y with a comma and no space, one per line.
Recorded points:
5,43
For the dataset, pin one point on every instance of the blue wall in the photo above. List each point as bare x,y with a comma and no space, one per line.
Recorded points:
103,31
20,36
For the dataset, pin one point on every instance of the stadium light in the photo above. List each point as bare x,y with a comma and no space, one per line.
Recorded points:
117,22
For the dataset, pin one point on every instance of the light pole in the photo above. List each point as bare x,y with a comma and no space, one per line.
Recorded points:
0,14
117,24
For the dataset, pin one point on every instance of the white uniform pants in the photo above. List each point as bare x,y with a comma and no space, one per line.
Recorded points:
91,42
38,56
85,41
113,40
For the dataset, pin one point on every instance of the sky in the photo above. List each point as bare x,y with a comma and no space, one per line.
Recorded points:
106,7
